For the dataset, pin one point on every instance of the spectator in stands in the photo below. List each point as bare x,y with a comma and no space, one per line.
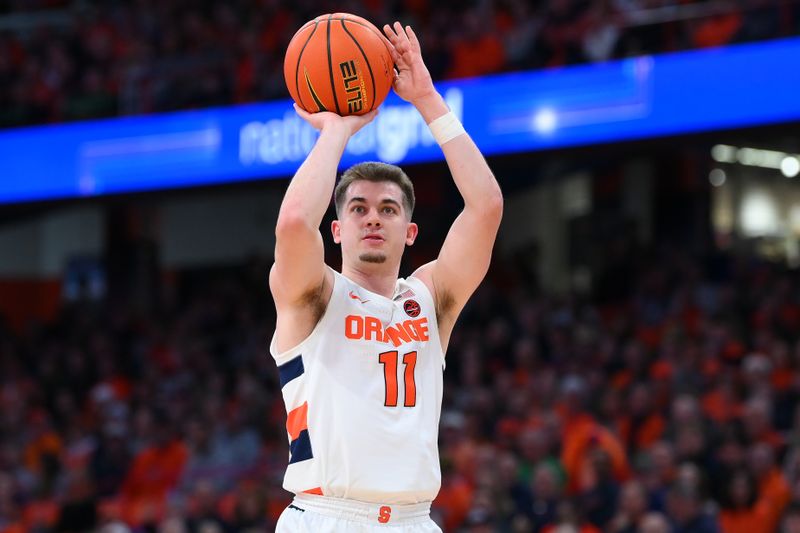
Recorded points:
9,509
546,491
772,486
476,48
640,425
110,460
239,440
202,513
598,500
660,471
569,518
248,514
155,470
653,523
791,519
685,507
742,510
757,420
631,509
208,460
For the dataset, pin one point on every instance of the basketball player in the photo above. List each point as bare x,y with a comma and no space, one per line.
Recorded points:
360,353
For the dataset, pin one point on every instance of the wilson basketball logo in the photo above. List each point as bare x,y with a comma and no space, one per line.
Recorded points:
411,308
354,87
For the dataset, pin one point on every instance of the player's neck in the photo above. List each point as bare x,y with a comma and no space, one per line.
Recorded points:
378,280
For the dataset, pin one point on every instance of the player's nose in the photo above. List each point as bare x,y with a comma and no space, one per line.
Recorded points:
373,219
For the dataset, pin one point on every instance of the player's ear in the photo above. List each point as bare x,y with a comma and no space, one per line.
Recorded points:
336,230
411,233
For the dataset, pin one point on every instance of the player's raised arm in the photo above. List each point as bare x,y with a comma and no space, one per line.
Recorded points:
299,267
464,258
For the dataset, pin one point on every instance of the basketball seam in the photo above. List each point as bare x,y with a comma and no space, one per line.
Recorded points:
330,67
372,28
297,69
375,31
301,28
366,60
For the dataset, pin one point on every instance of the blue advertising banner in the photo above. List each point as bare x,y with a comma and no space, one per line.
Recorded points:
643,97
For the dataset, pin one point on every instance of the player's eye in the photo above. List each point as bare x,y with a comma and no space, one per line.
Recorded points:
389,210
358,209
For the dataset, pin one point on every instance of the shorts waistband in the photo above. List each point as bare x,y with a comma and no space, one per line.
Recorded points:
364,512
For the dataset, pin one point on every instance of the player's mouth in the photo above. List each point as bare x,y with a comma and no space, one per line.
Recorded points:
373,237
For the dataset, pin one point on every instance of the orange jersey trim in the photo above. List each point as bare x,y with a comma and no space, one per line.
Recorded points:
297,421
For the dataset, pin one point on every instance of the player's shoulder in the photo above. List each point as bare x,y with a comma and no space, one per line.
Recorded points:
425,275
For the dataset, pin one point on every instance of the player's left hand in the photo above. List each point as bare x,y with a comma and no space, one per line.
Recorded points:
412,82
325,119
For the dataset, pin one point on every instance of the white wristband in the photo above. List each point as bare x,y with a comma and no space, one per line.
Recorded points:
446,128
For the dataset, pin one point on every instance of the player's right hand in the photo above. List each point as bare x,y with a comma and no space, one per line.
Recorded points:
325,119
412,82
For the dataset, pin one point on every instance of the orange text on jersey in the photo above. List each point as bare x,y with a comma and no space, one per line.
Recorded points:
357,327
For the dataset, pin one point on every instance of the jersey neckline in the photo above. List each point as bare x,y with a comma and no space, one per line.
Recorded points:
375,294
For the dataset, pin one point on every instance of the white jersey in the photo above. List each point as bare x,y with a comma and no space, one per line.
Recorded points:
363,393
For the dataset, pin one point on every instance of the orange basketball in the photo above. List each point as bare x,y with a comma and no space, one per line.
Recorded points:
340,63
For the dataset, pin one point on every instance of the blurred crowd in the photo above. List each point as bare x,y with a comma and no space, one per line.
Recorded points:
65,60
669,408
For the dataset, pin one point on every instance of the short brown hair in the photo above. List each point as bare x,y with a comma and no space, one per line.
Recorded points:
375,171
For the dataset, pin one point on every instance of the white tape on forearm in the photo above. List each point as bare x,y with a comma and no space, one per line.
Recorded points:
446,128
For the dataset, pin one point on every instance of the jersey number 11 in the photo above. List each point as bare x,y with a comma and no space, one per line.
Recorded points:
389,362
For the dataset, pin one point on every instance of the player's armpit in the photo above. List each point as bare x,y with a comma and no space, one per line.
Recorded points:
313,296
298,315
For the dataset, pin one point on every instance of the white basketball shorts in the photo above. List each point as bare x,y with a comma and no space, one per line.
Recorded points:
321,514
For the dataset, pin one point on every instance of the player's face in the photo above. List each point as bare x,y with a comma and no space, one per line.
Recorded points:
373,227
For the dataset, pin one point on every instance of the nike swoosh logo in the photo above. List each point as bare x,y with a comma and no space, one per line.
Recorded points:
354,296
313,92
